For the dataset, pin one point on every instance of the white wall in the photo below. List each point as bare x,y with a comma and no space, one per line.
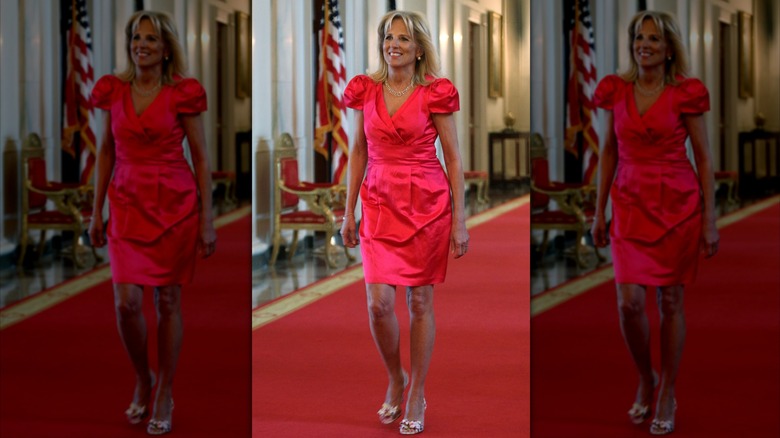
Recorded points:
699,22
30,77
283,69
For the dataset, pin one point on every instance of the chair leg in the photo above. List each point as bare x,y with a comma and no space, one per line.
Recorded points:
486,190
41,244
293,245
98,257
578,251
328,247
76,260
349,255
277,242
545,240
23,251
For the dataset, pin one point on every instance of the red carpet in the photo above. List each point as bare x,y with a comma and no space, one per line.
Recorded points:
729,383
64,372
316,372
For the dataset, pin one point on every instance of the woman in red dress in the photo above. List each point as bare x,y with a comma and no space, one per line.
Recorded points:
662,210
160,212
412,212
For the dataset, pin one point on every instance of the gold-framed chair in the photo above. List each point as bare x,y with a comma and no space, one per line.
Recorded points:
575,207
731,180
322,212
72,202
480,180
226,180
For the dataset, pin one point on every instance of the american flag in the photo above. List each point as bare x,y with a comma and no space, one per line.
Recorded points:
77,114
331,111
580,114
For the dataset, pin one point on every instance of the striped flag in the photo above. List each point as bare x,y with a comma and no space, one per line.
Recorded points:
580,114
331,112
77,114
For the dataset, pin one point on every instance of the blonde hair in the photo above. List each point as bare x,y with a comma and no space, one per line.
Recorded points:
669,30
419,30
174,64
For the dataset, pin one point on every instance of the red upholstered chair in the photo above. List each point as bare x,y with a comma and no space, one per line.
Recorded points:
322,212
479,179
72,202
574,211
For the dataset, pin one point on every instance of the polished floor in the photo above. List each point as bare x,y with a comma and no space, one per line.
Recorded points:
309,266
56,265
270,283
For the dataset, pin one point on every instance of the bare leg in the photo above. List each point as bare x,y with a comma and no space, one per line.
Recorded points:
167,299
384,328
131,323
423,332
636,332
670,304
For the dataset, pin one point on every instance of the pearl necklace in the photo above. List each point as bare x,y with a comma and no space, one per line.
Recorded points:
398,93
146,93
649,93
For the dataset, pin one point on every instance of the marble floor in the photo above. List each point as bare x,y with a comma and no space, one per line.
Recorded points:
307,267
56,265
560,266
269,283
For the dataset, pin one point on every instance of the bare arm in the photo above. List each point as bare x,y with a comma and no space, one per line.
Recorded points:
104,167
608,159
193,128
358,157
445,125
696,127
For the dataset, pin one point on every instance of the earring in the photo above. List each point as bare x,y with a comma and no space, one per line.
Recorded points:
419,58
166,58
669,58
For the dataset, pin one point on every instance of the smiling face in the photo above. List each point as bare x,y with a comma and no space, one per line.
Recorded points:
147,48
650,49
398,48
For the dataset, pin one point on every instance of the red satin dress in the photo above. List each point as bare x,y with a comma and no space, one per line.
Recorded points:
153,198
656,194
407,212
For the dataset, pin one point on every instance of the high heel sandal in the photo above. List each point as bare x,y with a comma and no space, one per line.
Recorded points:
663,427
413,427
136,413
388,413
160,427
639,413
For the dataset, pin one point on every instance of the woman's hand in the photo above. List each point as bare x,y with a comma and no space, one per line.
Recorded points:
349,231
96,237
208,238
598,230
710,239
459,240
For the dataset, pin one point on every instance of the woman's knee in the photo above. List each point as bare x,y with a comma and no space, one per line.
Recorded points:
128,300
420,300
670,300
631,301
379,306
167,300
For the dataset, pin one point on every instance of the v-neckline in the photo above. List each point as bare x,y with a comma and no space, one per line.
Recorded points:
132,103
384,102
649,108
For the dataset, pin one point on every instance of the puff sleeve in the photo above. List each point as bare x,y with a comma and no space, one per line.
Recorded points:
443,97
606,92
105,91
355,92
692,97
189,97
